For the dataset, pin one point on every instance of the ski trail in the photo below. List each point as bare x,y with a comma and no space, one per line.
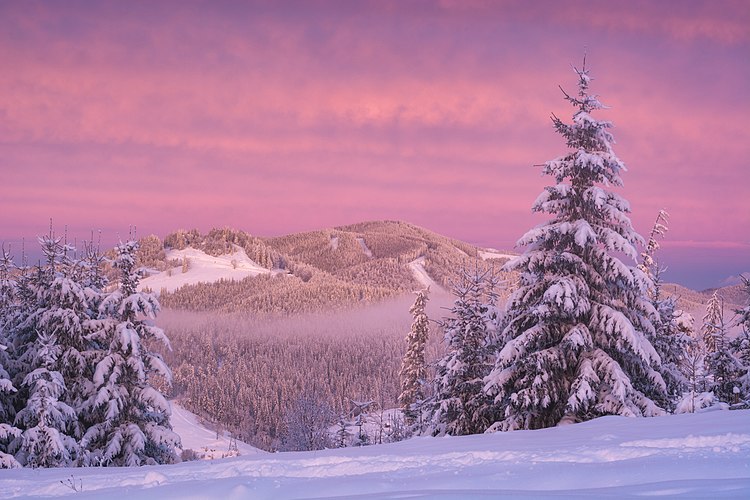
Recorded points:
420,274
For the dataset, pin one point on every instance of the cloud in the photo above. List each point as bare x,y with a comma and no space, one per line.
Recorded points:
186,114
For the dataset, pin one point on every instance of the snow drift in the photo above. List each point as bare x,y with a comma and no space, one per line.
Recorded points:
695,455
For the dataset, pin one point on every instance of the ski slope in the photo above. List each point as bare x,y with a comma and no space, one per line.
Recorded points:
705,455
202,268
420,274
206,443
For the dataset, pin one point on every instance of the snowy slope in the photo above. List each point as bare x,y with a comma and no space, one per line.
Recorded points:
704,455
491,253
204,441
364,246
203,268
420,274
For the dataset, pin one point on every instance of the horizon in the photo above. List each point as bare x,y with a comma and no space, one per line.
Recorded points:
283,117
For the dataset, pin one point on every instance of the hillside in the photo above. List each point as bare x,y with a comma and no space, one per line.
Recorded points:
232,271
202,443
704,455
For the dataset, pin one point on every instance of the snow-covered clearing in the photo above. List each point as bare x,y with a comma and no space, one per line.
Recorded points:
195,436
705,455
491,253
202,268
420,274
364,246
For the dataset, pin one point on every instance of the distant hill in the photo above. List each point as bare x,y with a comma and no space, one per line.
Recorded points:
233,271
230,270
734,296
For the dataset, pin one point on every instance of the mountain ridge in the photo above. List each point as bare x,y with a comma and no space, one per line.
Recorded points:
334,267
314,270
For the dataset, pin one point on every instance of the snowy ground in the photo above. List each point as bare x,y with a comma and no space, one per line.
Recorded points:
202,268
420,274
491,253
206,443
705,455
364,246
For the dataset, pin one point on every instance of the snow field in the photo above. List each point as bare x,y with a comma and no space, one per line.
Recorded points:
420,274
695,455
202,268
204,441
491,253
364,246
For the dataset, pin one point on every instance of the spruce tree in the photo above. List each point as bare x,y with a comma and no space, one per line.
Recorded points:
461,406
65,316
132,417
46,421
413,372
7,299
669,339
577,328
46,338
7,412
741,348
723,367
713,322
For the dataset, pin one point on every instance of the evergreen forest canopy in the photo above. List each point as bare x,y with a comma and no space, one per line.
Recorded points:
565,332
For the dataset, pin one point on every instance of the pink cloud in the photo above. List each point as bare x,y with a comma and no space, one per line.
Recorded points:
271,120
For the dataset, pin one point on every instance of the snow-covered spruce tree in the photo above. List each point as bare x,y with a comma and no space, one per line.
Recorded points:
132,417
713,321
577,328
696,396
46,421
740,347
7,412
7,299
743,315
413,374
669,339
724,369
461,406
65,314
47,339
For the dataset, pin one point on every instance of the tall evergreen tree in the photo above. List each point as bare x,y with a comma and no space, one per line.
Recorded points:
47,339
461,406
132,417
7,412
7,299
723,367
47,421
713,322
578,325
669,339
65,316
413,374
741,348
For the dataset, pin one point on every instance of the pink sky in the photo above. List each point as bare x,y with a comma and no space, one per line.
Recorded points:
276,117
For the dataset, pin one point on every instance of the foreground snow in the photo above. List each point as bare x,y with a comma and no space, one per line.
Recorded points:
701,455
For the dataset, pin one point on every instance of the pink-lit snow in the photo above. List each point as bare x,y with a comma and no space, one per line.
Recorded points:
704,455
